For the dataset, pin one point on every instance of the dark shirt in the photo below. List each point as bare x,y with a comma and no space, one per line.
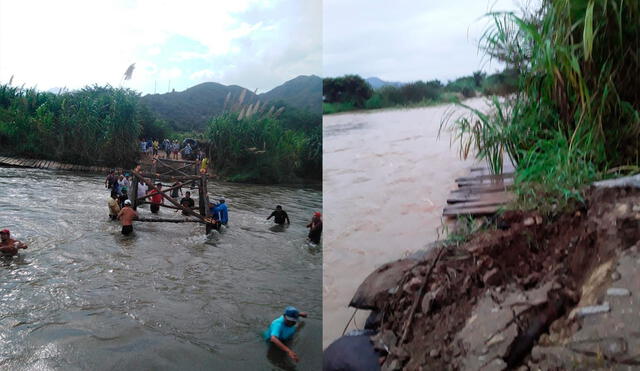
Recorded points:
279,216
315,232
110,180
187,202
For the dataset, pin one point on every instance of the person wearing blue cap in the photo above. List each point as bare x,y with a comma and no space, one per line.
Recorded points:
283,328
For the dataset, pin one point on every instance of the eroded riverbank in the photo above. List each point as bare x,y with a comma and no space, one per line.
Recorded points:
385,181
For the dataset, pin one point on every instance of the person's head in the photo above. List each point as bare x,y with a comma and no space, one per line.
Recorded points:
317,215
5,234
159,185
121,176
112,171
291,315
221,200
187,194
278,207
127,203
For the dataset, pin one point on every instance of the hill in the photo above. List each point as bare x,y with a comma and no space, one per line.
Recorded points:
192,108
377,83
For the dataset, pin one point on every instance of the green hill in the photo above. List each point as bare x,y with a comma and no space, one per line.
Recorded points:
192,108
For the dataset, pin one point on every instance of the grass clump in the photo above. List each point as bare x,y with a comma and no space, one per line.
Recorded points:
575,117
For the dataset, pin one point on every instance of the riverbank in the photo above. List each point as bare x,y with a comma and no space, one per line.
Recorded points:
536,294
386,180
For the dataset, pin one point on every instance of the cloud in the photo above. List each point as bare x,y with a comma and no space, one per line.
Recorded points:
406,40
75,43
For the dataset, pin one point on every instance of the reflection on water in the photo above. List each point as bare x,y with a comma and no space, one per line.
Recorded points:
385,181
82,296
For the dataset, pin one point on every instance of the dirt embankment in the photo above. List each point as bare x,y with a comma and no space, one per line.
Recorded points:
534,294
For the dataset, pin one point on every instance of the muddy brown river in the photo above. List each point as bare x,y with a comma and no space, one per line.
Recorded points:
386,179
83,297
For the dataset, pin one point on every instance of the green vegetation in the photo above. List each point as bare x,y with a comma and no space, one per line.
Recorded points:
263,145
93,126
351,92
575,117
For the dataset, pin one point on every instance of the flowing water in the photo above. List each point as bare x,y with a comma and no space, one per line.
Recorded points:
84,297
386,178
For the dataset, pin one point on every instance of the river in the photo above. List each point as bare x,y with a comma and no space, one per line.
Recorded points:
386,178
84,297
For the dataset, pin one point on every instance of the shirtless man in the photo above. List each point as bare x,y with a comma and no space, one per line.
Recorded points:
9,246
126,216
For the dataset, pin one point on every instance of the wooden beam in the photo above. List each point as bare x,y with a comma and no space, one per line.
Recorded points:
169,189
182,161
163,220
172,178
168,198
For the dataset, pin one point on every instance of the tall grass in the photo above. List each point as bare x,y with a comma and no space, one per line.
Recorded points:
95,125
576,114
253,143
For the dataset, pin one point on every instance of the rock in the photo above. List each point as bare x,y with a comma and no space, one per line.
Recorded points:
413,285
622,209
629,181
523,368
434,353
615,276
536,353
594,309
496,365
492,277
614,291
425,305
529,221
379,282
391,365
399,353
636,208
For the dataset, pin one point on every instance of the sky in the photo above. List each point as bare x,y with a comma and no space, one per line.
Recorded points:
407,40
174,44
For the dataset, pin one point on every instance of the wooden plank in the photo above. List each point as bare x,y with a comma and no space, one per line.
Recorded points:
474,204
482,189
471,197
484,177
486,210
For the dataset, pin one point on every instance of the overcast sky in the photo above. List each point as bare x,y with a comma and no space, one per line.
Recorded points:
72,43
407,40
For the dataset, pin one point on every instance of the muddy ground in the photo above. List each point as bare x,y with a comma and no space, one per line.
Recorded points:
529,294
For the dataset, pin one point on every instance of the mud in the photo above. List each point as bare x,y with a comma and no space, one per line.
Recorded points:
489,302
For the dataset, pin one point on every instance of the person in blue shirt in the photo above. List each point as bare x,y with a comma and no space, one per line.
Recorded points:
283,328
220,214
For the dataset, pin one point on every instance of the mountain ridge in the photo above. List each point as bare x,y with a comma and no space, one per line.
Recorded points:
191,108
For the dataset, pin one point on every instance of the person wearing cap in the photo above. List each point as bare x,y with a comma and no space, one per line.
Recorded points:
283,328
9,246
114,206
156,198
126,217
279,216
315,228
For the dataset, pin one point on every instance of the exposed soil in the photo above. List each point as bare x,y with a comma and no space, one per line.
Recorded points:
486,303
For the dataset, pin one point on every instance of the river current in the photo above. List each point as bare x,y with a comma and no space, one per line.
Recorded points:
84,297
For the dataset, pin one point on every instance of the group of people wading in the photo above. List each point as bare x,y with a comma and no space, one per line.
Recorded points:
120,207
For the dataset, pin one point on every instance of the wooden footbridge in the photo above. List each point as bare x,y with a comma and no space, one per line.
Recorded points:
481,193
187,173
